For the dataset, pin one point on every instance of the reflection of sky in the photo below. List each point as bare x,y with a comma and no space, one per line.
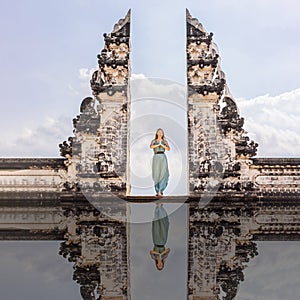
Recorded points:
274,273
34,270
48,49
146,281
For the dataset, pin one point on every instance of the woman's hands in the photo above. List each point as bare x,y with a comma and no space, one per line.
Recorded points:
165,145
152,145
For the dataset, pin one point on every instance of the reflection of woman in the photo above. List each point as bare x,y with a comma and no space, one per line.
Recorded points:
160,170
160,228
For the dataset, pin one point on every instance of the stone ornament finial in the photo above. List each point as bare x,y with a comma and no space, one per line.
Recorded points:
97,155
113,72
218,141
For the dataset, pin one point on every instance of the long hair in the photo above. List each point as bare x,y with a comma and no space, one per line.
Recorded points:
163,136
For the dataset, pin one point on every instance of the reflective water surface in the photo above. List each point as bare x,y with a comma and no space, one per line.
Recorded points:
147,282
34,270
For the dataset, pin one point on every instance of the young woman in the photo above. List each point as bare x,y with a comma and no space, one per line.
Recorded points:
160,170
160,228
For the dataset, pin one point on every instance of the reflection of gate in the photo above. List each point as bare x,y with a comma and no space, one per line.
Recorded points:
247,198
234,199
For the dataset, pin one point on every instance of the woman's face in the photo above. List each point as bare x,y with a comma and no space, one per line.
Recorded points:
160,265
159,133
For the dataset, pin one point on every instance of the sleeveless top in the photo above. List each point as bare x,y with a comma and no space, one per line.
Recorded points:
159,148
159,250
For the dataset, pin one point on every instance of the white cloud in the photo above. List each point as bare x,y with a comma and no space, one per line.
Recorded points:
85,74
138,76
273,122
40,141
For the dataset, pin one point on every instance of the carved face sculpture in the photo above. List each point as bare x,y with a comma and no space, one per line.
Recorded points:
119,52
195,51
116,75
198,75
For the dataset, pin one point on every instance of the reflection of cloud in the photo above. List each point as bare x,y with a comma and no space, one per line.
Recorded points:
274,273
33,270
147,282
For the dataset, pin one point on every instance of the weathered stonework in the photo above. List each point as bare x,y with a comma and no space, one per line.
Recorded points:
35,204
222,239
47,198
247,199
234,198
99,153
218,147
97,245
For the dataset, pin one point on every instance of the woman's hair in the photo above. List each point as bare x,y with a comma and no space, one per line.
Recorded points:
163,265
156,136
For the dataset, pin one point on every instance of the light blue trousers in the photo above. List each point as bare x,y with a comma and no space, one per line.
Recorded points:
160,226
160,172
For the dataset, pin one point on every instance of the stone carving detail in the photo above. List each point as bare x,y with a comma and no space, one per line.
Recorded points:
202,60
216,135
65,148
88,121
113,60
219,249
97,246
229,277
97,155
229,117
277,178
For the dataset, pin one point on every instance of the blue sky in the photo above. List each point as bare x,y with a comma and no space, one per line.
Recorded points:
45,44
48,49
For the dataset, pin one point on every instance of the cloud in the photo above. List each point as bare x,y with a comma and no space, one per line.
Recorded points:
85,74
157,103
273,122
40,141
73,90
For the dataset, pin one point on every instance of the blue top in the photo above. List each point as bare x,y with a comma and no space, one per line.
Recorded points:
159,148
162,254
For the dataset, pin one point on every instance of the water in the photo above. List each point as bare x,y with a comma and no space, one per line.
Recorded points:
146,281
34,270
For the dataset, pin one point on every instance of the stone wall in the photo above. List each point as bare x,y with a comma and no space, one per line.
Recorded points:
98,154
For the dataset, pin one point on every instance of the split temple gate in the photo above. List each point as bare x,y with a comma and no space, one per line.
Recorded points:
82,199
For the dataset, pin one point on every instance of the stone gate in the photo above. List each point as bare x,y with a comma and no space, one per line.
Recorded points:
82,198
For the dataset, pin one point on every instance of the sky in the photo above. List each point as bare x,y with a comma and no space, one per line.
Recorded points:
48,52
